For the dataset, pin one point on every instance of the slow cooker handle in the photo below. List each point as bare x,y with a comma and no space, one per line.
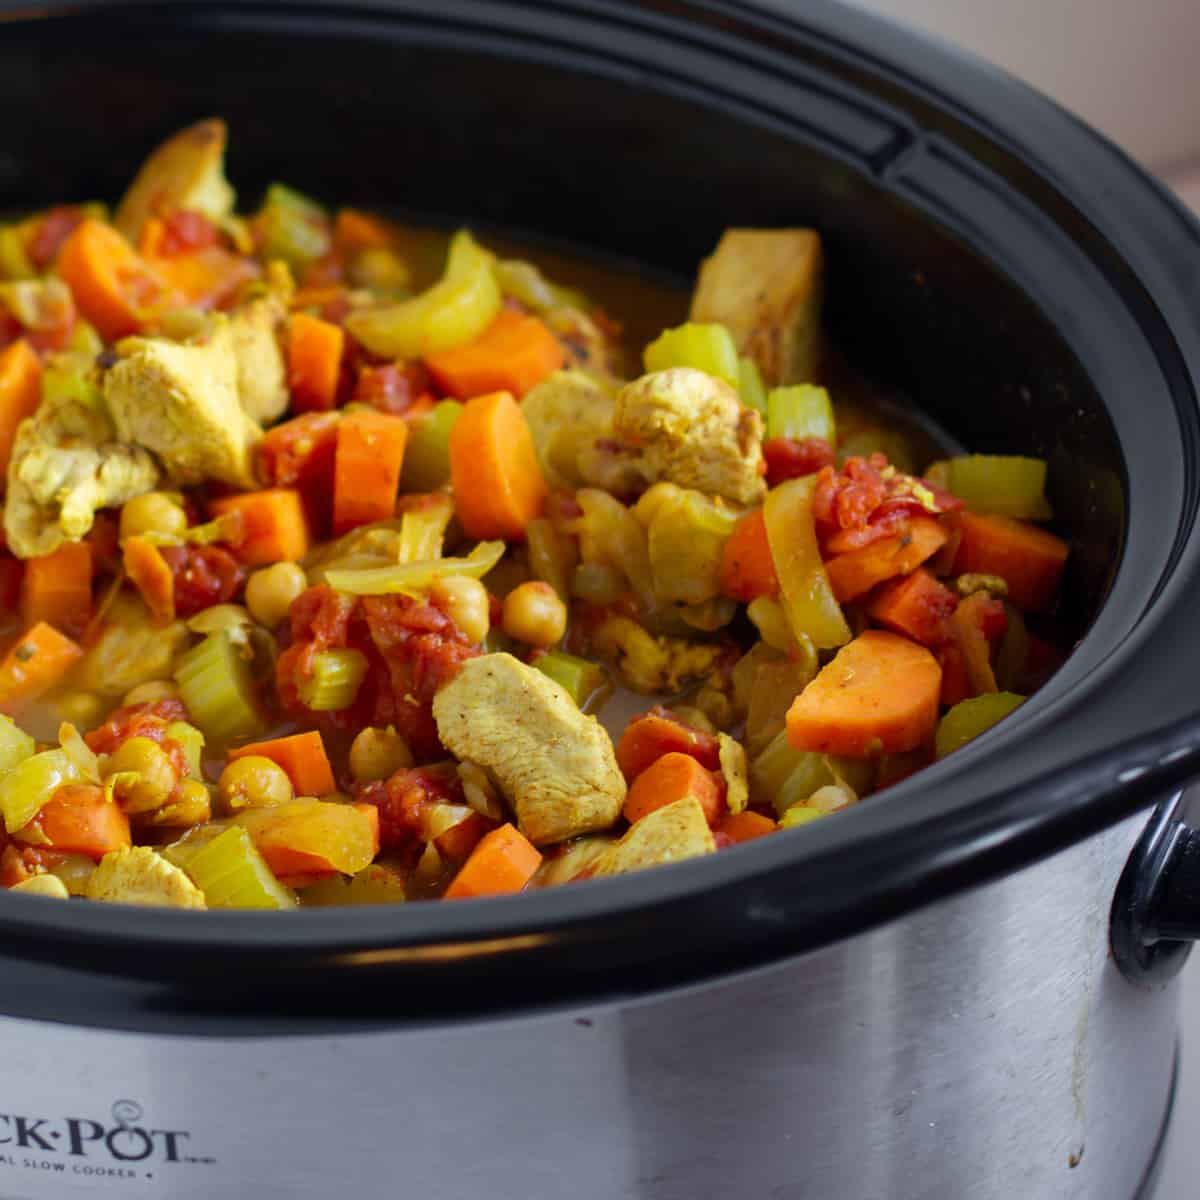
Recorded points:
1156,909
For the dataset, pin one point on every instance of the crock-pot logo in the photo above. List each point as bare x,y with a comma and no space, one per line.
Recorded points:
123,1146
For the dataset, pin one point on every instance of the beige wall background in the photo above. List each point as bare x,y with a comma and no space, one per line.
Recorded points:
1129,67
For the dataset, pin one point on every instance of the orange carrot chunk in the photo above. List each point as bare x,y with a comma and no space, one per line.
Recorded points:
916,605
114,287
855,573
747,568
1027,558
745,826
974,624
956,684
513,354
80,819
314,362
36,662
302,756
274,525
504,861
671,778
57,588
366,473
20,391
657,732
149,573
354,230
878,695
498,483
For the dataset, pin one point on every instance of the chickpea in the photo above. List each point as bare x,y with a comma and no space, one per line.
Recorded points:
154,774
148,693
270,592
466,603
152,512
533,613
192,805
82,709
377,753
253,782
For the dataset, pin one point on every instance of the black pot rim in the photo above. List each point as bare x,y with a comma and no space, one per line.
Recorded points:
920,844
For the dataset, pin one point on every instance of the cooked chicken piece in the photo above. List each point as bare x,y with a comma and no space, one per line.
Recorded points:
66,464
554,764
43,885
186,172
261,372
693,431
654,665
181,401
140,875
668,834
733,768
764,286
575,859
570,415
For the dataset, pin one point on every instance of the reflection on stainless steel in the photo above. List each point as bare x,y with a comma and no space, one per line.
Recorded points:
981,1049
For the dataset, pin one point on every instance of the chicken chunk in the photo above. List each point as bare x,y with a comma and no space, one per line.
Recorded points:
181,401
555,765
140,875
66,464
668,834
186,172
693,431
649,664
257,328
570,415
765,286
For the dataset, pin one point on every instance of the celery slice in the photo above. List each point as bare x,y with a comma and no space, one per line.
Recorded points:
750,385
1007,485
335,680
191,740
583,680
427,456
71,377
31,783
807,596
232,874
216,684
707,348
969,718
411,579
456,310
803,411
15,744
292,227
14,261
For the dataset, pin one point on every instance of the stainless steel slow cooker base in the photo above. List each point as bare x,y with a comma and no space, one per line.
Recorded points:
980,1049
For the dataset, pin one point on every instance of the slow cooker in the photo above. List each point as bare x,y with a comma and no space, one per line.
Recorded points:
962,989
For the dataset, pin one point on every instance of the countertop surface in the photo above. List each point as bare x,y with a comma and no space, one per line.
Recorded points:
1181,1170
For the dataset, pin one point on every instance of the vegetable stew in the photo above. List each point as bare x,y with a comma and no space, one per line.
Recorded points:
330,578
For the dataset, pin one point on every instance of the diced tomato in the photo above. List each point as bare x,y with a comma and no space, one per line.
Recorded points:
204,576
10,581
792,458
404,799
53,228
184,231
391,387
136,720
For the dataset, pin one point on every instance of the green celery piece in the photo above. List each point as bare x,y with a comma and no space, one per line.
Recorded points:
31,783
750,385
15,744
798,815
85,341
579,677
216,685
233,874
192,742
803,411
708,348
71,377
1007,485
293,227
427,456
14,261
969,718
411,579
336,677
